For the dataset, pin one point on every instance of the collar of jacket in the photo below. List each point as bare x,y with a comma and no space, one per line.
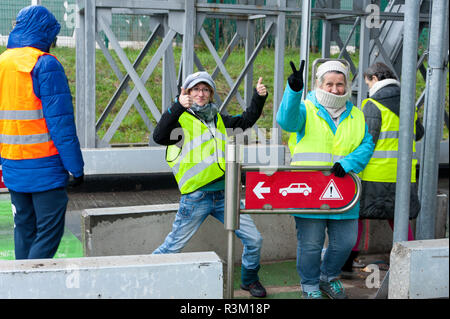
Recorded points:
381,84
389,96
322,112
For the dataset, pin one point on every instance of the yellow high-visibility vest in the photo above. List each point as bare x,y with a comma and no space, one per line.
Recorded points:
319,146
382,167
23,130
201,159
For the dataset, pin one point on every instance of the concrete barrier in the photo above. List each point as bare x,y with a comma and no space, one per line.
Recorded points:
182,276
135,230
419,269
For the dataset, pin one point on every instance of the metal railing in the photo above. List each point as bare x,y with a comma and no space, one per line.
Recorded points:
232,199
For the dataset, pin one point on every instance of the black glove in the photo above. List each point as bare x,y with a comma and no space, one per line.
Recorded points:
295,80
75,181
338,170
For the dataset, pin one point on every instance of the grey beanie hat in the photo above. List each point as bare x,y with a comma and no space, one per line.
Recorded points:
198,77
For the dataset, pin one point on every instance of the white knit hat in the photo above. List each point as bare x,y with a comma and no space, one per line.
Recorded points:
332,66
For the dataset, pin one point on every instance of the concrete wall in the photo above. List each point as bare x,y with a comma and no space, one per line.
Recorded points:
182,276
141,229
377,235
134,160
419,269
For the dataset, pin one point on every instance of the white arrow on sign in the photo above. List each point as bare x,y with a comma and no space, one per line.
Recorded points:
259,190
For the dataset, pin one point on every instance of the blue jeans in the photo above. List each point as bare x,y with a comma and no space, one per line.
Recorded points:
193,210
310,239
38,222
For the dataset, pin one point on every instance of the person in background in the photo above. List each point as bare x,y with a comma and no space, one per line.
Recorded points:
329,131
196,134
382,110
38,141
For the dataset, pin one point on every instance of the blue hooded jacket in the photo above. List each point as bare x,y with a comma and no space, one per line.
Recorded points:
291,117
37,27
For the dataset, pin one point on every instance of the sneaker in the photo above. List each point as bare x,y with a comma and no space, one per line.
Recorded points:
358,264
312,295
255,289
333,289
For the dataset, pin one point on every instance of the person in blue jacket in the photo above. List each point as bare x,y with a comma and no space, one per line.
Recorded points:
39,146
328,131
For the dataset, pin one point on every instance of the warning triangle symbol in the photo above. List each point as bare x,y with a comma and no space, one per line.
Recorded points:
331,192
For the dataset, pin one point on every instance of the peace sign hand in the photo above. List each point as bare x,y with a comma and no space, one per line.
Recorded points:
295,80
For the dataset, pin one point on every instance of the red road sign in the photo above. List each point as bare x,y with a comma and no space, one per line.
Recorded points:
299,189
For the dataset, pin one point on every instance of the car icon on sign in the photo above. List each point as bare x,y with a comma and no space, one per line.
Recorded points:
300,188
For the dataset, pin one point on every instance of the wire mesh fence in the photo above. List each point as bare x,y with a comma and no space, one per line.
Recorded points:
134,29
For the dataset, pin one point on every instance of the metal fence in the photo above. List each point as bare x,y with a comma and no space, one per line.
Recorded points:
128,28
134,30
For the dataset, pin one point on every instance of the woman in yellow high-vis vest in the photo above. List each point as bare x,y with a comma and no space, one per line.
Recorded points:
379,178
328,130
195,134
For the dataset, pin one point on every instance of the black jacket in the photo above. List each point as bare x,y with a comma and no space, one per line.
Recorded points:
378,198
169,120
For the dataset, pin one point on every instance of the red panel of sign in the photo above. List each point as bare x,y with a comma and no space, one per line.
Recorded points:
299,189
2,185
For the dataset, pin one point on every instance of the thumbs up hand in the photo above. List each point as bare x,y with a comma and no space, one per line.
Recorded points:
260,88
185,99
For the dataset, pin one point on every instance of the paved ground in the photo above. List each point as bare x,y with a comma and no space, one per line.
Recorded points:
280,278
282,282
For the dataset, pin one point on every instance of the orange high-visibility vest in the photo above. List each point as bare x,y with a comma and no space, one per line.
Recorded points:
23,131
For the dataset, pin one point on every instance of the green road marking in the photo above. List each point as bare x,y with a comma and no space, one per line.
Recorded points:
70,246
281,274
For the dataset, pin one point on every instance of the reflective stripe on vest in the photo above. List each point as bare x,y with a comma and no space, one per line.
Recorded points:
21,115
23,130
201,159
194,143
319,146
382,167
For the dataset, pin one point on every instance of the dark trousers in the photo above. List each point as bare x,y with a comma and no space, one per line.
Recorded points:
38,222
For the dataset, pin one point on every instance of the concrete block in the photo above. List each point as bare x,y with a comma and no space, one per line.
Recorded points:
190,276
419,269
135,230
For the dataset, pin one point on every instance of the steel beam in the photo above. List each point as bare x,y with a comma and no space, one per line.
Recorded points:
434,112
407,110
304,42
